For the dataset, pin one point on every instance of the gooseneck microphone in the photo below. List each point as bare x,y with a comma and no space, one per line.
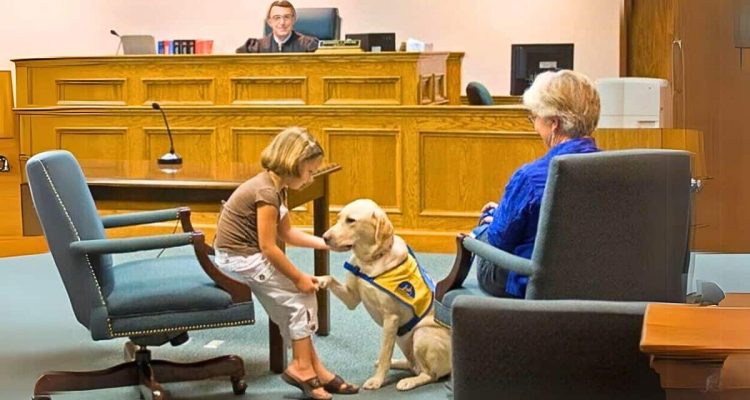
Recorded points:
119,44
171,157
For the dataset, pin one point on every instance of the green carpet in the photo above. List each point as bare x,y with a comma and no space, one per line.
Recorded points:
39,333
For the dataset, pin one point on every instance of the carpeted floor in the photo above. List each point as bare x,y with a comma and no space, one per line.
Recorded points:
38,332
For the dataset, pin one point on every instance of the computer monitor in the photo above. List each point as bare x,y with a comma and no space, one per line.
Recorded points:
529,60
138,44
375,41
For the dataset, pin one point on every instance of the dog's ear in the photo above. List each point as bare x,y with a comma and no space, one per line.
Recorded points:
383,227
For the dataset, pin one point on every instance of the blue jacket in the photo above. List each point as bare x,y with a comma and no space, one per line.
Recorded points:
514,225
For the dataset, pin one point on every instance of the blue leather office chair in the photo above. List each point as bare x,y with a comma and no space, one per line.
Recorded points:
322,23
151,301
478,95
613,229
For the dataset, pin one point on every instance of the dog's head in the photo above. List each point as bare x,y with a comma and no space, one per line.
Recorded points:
362,227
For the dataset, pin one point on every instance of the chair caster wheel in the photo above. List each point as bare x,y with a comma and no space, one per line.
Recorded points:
239,386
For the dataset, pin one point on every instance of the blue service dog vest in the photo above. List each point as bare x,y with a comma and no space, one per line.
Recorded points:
408,283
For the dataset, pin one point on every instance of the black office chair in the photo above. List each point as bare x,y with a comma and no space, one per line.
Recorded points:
478,95
322,23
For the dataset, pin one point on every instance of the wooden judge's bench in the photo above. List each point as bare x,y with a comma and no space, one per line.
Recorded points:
393,121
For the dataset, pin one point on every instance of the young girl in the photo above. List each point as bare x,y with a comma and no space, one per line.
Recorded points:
251,221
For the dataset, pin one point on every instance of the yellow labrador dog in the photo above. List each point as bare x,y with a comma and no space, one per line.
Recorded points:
377,257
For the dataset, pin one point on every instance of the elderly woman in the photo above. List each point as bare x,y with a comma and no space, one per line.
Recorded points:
564,109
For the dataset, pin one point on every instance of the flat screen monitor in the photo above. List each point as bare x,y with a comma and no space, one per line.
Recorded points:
375,42
529,60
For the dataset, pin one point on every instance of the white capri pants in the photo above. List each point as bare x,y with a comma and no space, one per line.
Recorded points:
295,313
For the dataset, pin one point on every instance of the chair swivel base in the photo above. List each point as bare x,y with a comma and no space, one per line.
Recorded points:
143,372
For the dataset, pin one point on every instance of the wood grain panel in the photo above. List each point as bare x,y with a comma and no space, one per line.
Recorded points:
90,91
94,142
6,105
651,30
440,90
269,90
179,90
426,89
371,166
248,143
362,90
194,144
10,197
463,170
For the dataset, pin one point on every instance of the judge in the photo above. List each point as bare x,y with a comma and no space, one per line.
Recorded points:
281,17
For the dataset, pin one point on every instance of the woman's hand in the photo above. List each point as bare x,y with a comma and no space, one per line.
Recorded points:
307,284
490,205
487,212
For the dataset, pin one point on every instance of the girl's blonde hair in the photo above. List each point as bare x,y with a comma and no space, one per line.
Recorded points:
290,148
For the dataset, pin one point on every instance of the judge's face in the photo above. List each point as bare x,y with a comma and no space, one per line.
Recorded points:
281,20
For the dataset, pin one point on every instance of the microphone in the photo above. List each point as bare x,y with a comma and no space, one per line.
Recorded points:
171,157
119,43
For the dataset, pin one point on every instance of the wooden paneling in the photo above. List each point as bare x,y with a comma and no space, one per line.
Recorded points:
89,142
186,91
431,168
90,91
197,144
366,78
690,43
248,143
371,166
362,90
269,90
473,180
6,105
651,31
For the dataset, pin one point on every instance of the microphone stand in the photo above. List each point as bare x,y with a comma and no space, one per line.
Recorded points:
170,158
119,43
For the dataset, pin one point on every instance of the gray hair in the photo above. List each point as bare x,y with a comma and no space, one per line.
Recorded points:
567,95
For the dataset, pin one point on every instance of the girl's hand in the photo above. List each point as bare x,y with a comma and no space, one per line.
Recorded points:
307,284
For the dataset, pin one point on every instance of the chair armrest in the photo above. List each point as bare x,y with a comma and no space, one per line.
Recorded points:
465,247
503,259
458,272
236,288
148,217
129,245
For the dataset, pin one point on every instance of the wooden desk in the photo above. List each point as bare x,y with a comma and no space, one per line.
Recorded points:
699,352
143,185
387,78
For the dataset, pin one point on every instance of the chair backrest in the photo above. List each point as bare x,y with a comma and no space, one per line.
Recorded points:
322,23
613,226
67,213
478,95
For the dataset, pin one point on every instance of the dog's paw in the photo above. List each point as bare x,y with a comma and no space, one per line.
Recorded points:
373,383
324,281
409,383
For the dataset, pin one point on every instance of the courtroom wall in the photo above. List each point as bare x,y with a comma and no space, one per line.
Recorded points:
484,29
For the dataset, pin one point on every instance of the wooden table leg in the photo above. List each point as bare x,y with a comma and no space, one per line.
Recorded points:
320,226
277,350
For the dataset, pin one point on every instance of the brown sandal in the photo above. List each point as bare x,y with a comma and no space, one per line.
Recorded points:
306,387
338,385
